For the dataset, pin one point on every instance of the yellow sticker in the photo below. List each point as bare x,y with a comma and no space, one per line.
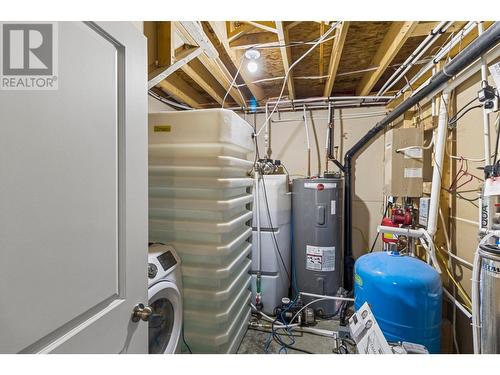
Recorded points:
358,280
162,128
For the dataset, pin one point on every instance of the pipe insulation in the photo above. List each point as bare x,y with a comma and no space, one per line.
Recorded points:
472,52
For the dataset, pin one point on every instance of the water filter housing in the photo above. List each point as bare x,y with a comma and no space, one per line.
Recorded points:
317,237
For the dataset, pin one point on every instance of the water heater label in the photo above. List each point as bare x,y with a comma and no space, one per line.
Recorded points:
320,258
324,185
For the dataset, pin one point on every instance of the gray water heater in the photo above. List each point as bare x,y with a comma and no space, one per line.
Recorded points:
317,207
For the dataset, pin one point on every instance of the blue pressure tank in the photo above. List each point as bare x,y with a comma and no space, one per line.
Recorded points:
404,294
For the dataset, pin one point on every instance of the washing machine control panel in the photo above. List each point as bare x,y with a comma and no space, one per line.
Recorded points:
167,260
152,270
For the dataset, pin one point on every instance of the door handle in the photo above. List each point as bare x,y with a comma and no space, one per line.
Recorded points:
141,312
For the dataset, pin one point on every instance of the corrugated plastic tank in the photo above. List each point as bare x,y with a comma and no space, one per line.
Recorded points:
198,197
405,295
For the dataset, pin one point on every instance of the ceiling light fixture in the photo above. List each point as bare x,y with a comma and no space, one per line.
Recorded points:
252,55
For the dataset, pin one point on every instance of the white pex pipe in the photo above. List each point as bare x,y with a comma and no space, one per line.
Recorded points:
308,144
442,53
257,217
419,51
458,304
415,233
336,298
486,118
440,144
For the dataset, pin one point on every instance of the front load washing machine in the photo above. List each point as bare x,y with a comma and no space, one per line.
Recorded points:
165,299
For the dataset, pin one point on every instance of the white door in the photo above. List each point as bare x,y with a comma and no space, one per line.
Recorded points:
73,195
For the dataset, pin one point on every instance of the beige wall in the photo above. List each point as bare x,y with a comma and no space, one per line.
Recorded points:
288,143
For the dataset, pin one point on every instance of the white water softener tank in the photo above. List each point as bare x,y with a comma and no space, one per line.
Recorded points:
199,199
275,232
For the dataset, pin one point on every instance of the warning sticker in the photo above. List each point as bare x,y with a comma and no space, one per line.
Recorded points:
320,258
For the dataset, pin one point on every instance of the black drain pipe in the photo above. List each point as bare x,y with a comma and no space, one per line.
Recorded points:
331,143
472,52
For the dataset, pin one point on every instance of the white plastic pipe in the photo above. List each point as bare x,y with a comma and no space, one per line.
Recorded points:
440,144
458,304
486,117
417,54
336,298
266,133
415,233
442,53
308,144
257,217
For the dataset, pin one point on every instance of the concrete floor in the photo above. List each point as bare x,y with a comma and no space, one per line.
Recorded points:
254,341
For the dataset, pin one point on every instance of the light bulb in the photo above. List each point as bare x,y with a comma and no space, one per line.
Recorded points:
252,66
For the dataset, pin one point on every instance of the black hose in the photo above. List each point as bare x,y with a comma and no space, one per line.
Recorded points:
473,51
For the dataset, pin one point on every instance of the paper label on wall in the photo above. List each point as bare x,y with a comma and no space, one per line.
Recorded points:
495,73
333,207
320,258
413,172
414,153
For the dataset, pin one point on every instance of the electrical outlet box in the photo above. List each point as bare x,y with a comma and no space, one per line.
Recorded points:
404,162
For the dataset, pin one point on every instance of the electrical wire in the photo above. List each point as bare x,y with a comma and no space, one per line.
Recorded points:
319,41
232,82
458,115
184,340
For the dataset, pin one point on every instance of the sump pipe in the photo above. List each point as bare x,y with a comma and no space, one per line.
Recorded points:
473,51
331,141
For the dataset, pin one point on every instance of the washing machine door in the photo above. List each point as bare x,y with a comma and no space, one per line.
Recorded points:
165,323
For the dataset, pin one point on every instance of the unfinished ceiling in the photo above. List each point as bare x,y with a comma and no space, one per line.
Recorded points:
195,63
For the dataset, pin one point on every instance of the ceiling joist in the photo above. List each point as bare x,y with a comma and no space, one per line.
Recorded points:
286,56
213,65
220,31
263,39
198,73
269,26
181,91
238,32
338,46
160,74
395,38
